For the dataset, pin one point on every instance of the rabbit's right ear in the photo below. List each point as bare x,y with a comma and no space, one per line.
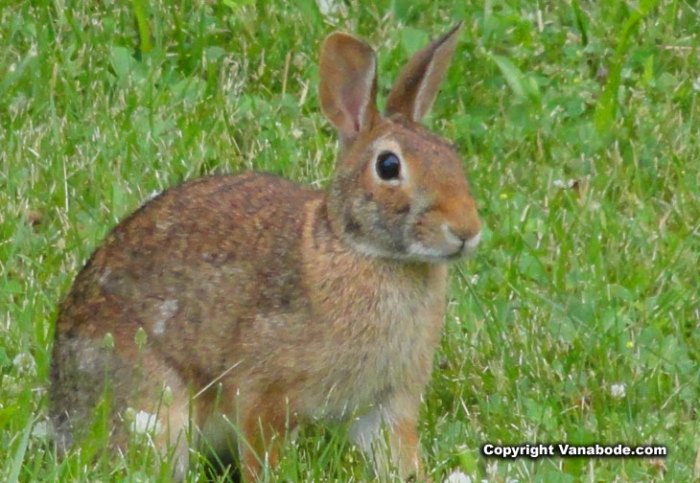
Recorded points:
414,91
348,87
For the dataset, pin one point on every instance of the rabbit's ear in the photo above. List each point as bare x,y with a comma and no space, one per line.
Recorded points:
348,87
414,91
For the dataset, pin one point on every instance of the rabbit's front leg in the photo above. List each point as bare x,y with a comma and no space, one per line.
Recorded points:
264,422
399,418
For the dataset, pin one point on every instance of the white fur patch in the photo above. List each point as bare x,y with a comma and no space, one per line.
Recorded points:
473,242
450,237
89,358
104,276
167,309
418,249
365,429
164,225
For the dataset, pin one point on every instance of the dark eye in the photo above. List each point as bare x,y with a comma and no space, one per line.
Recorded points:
388,166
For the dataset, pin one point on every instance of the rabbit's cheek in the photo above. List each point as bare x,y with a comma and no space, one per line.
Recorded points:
426,229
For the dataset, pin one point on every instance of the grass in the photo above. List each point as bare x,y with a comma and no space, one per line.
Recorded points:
579,125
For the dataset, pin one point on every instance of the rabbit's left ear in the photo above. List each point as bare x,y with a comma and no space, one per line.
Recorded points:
348,87
414,90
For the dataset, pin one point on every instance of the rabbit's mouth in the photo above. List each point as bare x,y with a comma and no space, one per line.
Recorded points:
468,247
418,251
449,250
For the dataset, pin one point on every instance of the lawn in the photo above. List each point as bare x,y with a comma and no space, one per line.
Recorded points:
579,125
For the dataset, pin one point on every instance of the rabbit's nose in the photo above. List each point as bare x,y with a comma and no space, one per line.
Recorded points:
467,236
461,223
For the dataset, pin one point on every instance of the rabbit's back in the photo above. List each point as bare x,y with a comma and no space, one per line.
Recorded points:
194,268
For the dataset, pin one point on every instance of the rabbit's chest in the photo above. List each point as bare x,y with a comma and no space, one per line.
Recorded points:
401,346
387,347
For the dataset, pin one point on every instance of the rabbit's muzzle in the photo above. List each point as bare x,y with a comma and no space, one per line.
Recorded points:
441,234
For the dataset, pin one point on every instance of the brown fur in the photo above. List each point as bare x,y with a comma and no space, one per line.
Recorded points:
268,303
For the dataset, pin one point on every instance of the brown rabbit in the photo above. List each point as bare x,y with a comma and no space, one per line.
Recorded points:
265,303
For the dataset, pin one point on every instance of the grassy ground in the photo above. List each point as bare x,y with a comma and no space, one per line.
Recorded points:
579,124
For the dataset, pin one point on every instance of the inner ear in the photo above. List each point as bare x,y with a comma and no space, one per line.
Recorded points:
348,84
415,89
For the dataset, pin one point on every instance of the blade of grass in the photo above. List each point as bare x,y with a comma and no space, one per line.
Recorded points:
20,451
141,14
606,110
580,21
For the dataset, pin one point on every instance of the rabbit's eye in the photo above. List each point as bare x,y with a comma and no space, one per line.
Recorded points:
388,166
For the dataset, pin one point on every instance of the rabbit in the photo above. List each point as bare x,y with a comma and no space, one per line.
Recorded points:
229,310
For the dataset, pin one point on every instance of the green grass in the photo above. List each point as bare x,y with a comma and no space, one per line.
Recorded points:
579,125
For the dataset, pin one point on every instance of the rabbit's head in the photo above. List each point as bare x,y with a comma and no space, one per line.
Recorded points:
399,191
